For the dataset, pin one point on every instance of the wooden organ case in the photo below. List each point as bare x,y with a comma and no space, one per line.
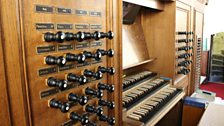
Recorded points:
66,61
74,63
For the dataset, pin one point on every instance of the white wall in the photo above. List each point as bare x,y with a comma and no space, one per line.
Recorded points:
213,19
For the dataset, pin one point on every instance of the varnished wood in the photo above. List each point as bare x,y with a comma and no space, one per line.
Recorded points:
133,44
160,38
4,101
13,61
204,63
191,115
117,80
174,116
22,62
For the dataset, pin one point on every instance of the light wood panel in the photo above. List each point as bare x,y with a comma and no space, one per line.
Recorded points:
134,44
159,31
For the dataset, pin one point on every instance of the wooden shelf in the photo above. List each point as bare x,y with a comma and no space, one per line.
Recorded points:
138,64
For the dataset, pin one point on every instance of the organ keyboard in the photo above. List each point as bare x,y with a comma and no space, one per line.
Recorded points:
149,100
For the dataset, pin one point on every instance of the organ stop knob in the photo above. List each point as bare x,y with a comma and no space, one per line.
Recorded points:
61,84
109,53
75,78
64,107
58,37
96,56
80,58
82,100
98,110
110,105
109,70
98,75
52,60
110,121
97,93
84,119
80,36
108,87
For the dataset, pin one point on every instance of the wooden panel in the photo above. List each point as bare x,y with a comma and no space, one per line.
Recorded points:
117,80
174,116
191,115
204,63
4,114
134,44
13,61
160,38
34,62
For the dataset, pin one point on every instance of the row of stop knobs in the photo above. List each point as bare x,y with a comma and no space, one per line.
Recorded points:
82,100
79,36
80,58
62,84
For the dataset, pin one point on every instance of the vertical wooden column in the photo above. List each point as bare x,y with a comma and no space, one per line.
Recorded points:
11,45
117,28
4,101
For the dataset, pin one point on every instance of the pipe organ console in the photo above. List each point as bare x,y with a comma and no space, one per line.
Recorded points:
84,62
69,50
144,102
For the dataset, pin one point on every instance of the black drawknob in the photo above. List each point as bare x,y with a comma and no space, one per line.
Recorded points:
186,55
60,36
185,48
97,93
110,121
190,33
69,36
108,87
96,56
98,75
97,110
182,33
87,35
110,35
110,105
183,71
61,84
80,58
82,100
80,36
109,53
97,35
49,37
109,70
75,78
64,107
84,119
185,63
52,60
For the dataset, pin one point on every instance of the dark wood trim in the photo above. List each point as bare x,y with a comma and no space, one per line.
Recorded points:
13,61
